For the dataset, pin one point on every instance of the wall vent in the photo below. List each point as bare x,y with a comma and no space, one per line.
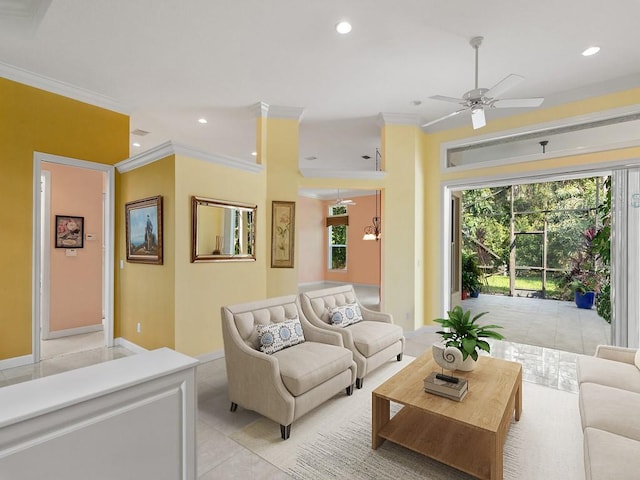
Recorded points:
139,132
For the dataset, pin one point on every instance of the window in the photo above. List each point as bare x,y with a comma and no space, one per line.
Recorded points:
337,223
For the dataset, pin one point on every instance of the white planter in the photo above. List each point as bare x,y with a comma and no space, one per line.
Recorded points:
468,365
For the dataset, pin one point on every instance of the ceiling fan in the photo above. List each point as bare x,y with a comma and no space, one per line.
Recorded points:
342,202
479,99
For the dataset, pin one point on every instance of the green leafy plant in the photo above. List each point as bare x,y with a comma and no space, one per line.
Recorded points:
471,273
465,333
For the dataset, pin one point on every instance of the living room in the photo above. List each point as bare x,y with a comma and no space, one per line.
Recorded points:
177,304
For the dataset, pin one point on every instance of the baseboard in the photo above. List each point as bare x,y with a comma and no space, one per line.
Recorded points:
16,362
67,332
124,343
208,357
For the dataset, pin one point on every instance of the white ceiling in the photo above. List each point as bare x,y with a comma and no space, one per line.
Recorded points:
170,62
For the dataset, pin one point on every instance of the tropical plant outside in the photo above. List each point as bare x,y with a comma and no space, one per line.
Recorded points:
560,211
338,241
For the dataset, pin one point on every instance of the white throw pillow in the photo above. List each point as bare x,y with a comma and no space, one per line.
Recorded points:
277,336
345,315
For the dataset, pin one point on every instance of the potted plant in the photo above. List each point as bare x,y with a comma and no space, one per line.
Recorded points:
583,279
466,335
471,275
584,289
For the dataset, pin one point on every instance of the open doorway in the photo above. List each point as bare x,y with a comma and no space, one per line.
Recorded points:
331,247
73,238
526,242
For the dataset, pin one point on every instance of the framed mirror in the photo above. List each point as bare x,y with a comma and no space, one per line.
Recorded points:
222,231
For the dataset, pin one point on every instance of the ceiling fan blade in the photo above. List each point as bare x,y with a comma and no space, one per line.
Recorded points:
503,85
477,118
442,98
452,114
517,102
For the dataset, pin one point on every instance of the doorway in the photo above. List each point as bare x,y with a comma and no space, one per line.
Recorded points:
625,219
60,294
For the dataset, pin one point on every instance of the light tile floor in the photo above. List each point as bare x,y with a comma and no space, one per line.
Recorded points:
545,323
221,458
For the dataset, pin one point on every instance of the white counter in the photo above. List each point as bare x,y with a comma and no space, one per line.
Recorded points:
128,418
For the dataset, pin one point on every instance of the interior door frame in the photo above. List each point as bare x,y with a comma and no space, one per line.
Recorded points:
108,239
45,249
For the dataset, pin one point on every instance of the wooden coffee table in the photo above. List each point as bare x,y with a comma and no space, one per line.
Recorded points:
467,435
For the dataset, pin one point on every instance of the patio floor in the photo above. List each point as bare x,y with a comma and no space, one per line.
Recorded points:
546,323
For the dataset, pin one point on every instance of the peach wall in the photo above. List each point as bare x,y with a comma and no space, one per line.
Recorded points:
76,282
311,239
363,257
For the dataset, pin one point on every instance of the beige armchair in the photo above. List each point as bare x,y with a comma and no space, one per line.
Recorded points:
373,340
285,384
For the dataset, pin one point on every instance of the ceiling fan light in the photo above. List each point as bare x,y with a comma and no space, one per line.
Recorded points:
477,118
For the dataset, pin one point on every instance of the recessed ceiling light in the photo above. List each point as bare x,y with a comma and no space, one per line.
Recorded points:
591,51
202,120
136,144
255,154
343,27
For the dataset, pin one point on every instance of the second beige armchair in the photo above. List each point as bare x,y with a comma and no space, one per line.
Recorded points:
372,337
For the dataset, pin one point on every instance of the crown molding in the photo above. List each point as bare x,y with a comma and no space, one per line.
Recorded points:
260,109
58,87
397,119
346,174
224,160
264,110
276,111
170,148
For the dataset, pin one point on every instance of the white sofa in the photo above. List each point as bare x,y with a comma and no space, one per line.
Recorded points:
610,412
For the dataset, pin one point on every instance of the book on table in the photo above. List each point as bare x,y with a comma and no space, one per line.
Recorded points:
457,398
435,385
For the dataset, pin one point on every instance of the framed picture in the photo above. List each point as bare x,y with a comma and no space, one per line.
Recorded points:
144,230
283,216
69,231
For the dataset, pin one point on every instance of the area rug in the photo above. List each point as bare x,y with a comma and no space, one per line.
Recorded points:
334,440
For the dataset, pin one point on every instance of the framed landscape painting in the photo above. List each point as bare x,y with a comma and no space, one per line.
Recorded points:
144,230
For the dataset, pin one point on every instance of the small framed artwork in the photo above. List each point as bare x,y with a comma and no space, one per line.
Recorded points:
144,230
69,231
283,216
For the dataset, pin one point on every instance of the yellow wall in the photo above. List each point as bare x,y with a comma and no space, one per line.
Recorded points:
402,244
146,293
434,177
280,156
201,289
34,120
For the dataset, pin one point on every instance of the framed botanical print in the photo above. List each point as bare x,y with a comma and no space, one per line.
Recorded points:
283,216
